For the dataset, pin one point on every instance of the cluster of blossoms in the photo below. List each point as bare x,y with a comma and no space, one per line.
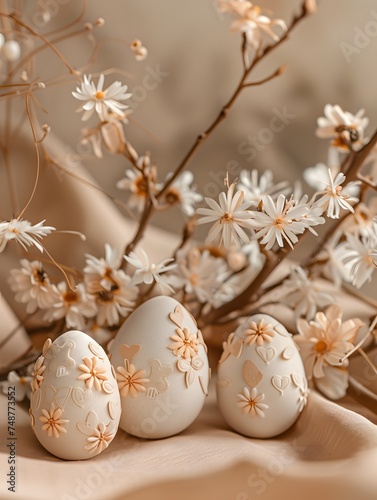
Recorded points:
256,221
106,294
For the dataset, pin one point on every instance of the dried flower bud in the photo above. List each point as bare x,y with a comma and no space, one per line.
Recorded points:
46,16
46,128
311,6
113,136
2,41
41,85
11,50
99,22
141,54
135,44
146,161
236,260
24,76
88,26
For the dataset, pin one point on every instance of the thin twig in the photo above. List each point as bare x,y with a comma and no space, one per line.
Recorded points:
275,74
251,293
35,141
222,115
42,38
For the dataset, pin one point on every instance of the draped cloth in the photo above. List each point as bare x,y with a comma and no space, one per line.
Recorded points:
331,452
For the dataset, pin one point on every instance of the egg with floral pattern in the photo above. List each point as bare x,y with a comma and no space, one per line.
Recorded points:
75,402
261,383
161,367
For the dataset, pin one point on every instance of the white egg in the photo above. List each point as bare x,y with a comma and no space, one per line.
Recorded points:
261,383
75,402
162,369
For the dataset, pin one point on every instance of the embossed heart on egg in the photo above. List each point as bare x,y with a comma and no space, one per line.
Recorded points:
261,383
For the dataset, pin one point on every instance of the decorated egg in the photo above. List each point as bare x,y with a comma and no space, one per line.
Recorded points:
261,383
74,403
161,367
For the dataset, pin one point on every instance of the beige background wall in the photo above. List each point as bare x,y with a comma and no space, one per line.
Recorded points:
191,42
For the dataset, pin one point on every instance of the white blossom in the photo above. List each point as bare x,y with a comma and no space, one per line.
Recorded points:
251,21
20,383
182,192
255,186
276,223
140,183
345,129
336,197
317,177
100,100
75,306
304,295
31,285
200,273
323,342
109,286
24,233
361,221
117,302
358,255
333,267
229,215
147,272
99,272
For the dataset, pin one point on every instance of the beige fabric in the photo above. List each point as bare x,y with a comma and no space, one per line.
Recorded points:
330,453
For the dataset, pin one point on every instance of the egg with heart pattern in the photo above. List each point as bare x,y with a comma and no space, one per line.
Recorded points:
162,369
261,383
75,402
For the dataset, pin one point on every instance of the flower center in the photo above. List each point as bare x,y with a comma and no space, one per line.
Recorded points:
141,186
227,218
105,296
321,347
279,222
39,275
99,95
353,132
70,297
369,259
194,279
172,197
